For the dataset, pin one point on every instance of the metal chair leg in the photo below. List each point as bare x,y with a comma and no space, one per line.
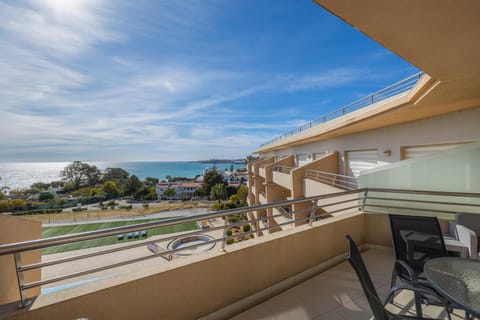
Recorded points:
418,304
393,282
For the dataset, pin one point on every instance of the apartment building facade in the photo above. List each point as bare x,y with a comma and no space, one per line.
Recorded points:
421,132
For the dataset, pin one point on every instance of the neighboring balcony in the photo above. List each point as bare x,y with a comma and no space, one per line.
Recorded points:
261,172
282,177
262,198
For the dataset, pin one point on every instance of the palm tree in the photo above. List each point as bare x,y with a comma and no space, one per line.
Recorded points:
218,192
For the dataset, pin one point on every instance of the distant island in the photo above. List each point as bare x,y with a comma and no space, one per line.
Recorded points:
214,161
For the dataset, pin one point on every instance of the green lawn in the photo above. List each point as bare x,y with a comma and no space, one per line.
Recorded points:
48,232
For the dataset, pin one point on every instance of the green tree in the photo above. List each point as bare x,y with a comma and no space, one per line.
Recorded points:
200,193
15,204
169,193
234,199
250,158
57,184
3,190
43,196
152,194
115,174
39,186
78,173
94,175
133,185
110,188
150,182
242,193
218,192
211,178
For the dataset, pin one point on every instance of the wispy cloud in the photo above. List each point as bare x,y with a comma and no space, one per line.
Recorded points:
326,79
146,80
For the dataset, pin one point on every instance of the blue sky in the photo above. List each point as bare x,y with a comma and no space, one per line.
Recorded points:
174,80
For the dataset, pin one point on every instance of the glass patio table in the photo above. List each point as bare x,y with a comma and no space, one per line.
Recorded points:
458,280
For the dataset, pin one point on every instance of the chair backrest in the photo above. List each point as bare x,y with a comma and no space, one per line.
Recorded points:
469,220
469,239
358,265
416,239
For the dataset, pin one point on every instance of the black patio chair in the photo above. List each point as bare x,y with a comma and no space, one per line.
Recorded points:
416,240
377,306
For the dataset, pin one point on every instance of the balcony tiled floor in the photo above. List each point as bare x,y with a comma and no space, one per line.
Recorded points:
336,294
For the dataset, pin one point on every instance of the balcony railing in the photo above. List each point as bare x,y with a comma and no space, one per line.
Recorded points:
283,169
390,91
368,200
332,179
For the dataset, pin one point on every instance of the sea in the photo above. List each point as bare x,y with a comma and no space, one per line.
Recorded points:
22,175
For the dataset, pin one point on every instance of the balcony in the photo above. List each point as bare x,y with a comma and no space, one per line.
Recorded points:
336,294
262,198
281,176
261,172
218,283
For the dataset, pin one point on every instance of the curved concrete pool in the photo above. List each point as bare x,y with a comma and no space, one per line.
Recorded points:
190,241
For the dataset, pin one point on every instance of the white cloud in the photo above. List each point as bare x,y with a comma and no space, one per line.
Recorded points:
56,26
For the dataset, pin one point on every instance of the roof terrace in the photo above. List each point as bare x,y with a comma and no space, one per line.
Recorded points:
400,88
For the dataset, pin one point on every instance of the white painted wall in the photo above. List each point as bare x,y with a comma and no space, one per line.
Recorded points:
459,126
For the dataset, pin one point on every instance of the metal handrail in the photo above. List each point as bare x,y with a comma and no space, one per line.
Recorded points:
387,92
332,179
367,199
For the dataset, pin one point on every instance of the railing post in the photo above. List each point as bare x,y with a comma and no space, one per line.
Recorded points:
224,242
364,202
313,212
18,264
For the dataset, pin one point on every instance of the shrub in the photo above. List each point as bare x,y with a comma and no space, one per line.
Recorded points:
229,232
230,241
233,219
111,203
127,207
217,207
146,205
246,228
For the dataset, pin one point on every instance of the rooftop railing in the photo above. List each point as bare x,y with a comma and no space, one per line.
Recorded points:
388,92
366,199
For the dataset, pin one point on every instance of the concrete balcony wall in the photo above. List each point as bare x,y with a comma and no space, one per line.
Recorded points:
261,172
282,179
275,193
250,184
269,173
196,286
14,229
314,188
262,198
329,163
